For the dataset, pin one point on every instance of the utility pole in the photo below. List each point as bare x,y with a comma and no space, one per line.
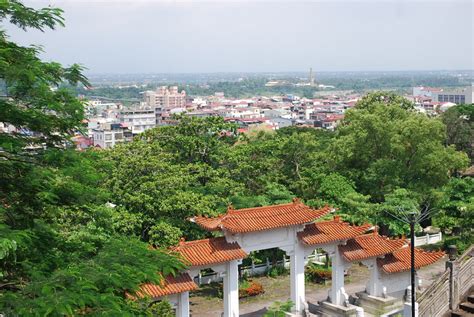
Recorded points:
412,250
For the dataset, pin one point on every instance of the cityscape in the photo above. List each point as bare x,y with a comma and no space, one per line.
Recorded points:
236,158
111,122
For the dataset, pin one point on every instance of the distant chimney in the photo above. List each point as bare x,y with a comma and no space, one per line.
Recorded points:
311,78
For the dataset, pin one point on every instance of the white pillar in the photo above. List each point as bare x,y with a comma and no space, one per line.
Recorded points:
337,275
183,305
374,286
407,309
231,289
297,277
407,305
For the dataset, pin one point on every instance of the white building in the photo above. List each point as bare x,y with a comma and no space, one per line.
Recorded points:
166,98
138,119
109,135
243,113
462,96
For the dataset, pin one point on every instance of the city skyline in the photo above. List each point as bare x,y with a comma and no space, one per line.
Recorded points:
263,36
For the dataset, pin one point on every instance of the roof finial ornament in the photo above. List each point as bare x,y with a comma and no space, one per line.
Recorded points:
230,207
182,241
376,230
296,200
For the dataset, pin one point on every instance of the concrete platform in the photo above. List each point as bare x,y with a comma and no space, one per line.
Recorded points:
377,306
326,309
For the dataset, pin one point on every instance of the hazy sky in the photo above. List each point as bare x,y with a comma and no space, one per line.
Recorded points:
262,36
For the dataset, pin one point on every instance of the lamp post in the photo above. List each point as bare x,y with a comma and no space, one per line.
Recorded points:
412,250
411,218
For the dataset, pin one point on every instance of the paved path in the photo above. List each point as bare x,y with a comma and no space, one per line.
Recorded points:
207,304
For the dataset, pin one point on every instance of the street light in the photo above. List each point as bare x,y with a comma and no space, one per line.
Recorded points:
412,250
412,218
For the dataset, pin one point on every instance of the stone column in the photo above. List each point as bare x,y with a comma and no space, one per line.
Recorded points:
297,277
407,305
231,289
337,288
374,286
183,305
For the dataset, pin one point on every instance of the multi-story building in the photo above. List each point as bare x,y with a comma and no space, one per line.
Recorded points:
110,134
138,118
165,97
463,96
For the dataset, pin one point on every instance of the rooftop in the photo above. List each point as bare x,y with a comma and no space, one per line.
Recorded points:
400,260
262,218
209,251
368,246
329,231
169,285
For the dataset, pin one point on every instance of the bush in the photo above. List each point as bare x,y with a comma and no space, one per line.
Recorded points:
162,308
250,288
277,271
278,309
462,242
317,273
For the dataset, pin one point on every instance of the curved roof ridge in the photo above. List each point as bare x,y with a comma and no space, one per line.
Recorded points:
262,218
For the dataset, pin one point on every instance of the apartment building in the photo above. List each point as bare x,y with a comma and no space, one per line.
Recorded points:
165,97
109,135
138,118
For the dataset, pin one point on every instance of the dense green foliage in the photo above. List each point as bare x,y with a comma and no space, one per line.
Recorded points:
385,160
459,121
63,249
75,226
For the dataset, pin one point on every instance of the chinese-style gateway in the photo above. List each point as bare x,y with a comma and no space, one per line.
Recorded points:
293,228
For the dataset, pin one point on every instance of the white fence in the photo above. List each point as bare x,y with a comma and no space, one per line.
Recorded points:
427,239
259,269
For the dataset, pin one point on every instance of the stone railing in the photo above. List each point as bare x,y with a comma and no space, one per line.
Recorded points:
445,293
428,239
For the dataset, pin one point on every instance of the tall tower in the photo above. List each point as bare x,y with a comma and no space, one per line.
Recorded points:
311,78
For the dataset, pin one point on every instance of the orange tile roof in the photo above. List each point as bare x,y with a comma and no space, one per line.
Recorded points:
169,285
209,251
400,260
329,231
368,246
262,218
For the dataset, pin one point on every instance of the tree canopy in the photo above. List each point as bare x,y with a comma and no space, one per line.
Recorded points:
63,249
75,227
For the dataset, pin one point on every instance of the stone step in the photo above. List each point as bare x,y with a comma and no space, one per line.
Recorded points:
461,313
470,298
466,306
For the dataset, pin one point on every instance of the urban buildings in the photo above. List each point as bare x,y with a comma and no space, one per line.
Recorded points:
166,98
458,96
109,135
138,118
462,96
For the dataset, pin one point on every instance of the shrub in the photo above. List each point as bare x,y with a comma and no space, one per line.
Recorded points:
250,288
162,308
277,271
317,273
278,309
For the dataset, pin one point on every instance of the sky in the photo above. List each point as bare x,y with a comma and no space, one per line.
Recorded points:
258,36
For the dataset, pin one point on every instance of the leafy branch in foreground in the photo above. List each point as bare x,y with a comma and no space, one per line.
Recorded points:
96,286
